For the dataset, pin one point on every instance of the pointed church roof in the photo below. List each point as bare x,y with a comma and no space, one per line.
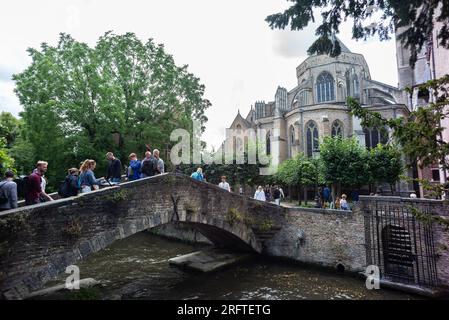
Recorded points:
343,47
240,119
249,117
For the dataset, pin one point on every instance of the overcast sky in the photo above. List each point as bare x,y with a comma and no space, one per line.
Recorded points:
225,43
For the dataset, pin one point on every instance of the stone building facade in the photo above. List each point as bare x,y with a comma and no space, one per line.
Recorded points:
298,119
431,64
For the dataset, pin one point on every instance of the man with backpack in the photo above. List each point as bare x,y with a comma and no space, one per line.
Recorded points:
33,189
277,196
8,192
69,188
149,165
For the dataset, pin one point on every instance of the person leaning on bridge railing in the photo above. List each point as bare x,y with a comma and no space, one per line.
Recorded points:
69,187
86,179
8,192
260,194
224,185
134,168
114,168
198,175
160,166
33,190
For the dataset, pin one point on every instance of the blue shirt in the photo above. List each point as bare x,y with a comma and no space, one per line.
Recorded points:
88,179
135,167
326,193
197,176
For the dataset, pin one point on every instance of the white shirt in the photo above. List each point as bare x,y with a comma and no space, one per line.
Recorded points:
282,192
160,165
43,183
225,186
260,195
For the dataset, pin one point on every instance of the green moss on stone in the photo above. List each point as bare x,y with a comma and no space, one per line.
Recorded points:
73,228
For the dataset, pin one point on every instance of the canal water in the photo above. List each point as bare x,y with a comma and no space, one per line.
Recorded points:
137,268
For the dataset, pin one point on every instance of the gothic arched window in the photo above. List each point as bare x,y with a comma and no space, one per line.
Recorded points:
325,87
292,135
268,144
291,141
337,129
312,138
374,136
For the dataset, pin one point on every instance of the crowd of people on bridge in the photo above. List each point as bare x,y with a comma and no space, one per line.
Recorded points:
33,187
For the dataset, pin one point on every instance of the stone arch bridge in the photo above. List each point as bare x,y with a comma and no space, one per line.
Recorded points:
38,242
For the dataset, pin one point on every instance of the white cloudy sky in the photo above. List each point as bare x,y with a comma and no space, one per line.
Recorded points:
225,43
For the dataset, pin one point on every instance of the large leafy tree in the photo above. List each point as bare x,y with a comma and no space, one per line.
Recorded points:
385,165
419,133
80,102
9,128
301,172
6,162
370,18
344,163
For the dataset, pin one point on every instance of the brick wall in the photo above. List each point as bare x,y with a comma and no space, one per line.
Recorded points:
322,237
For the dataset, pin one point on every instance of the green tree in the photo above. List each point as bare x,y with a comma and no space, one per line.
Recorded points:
80,102
369,18
9,128
420,133
301,172
385,165
344,163
6,162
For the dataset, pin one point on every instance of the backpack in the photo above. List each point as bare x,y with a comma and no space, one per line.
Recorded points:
79,180
63,189
3,198
149,167
22,186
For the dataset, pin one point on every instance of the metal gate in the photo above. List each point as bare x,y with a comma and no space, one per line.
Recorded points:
400,245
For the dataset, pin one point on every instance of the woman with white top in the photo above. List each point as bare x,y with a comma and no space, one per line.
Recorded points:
260,194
